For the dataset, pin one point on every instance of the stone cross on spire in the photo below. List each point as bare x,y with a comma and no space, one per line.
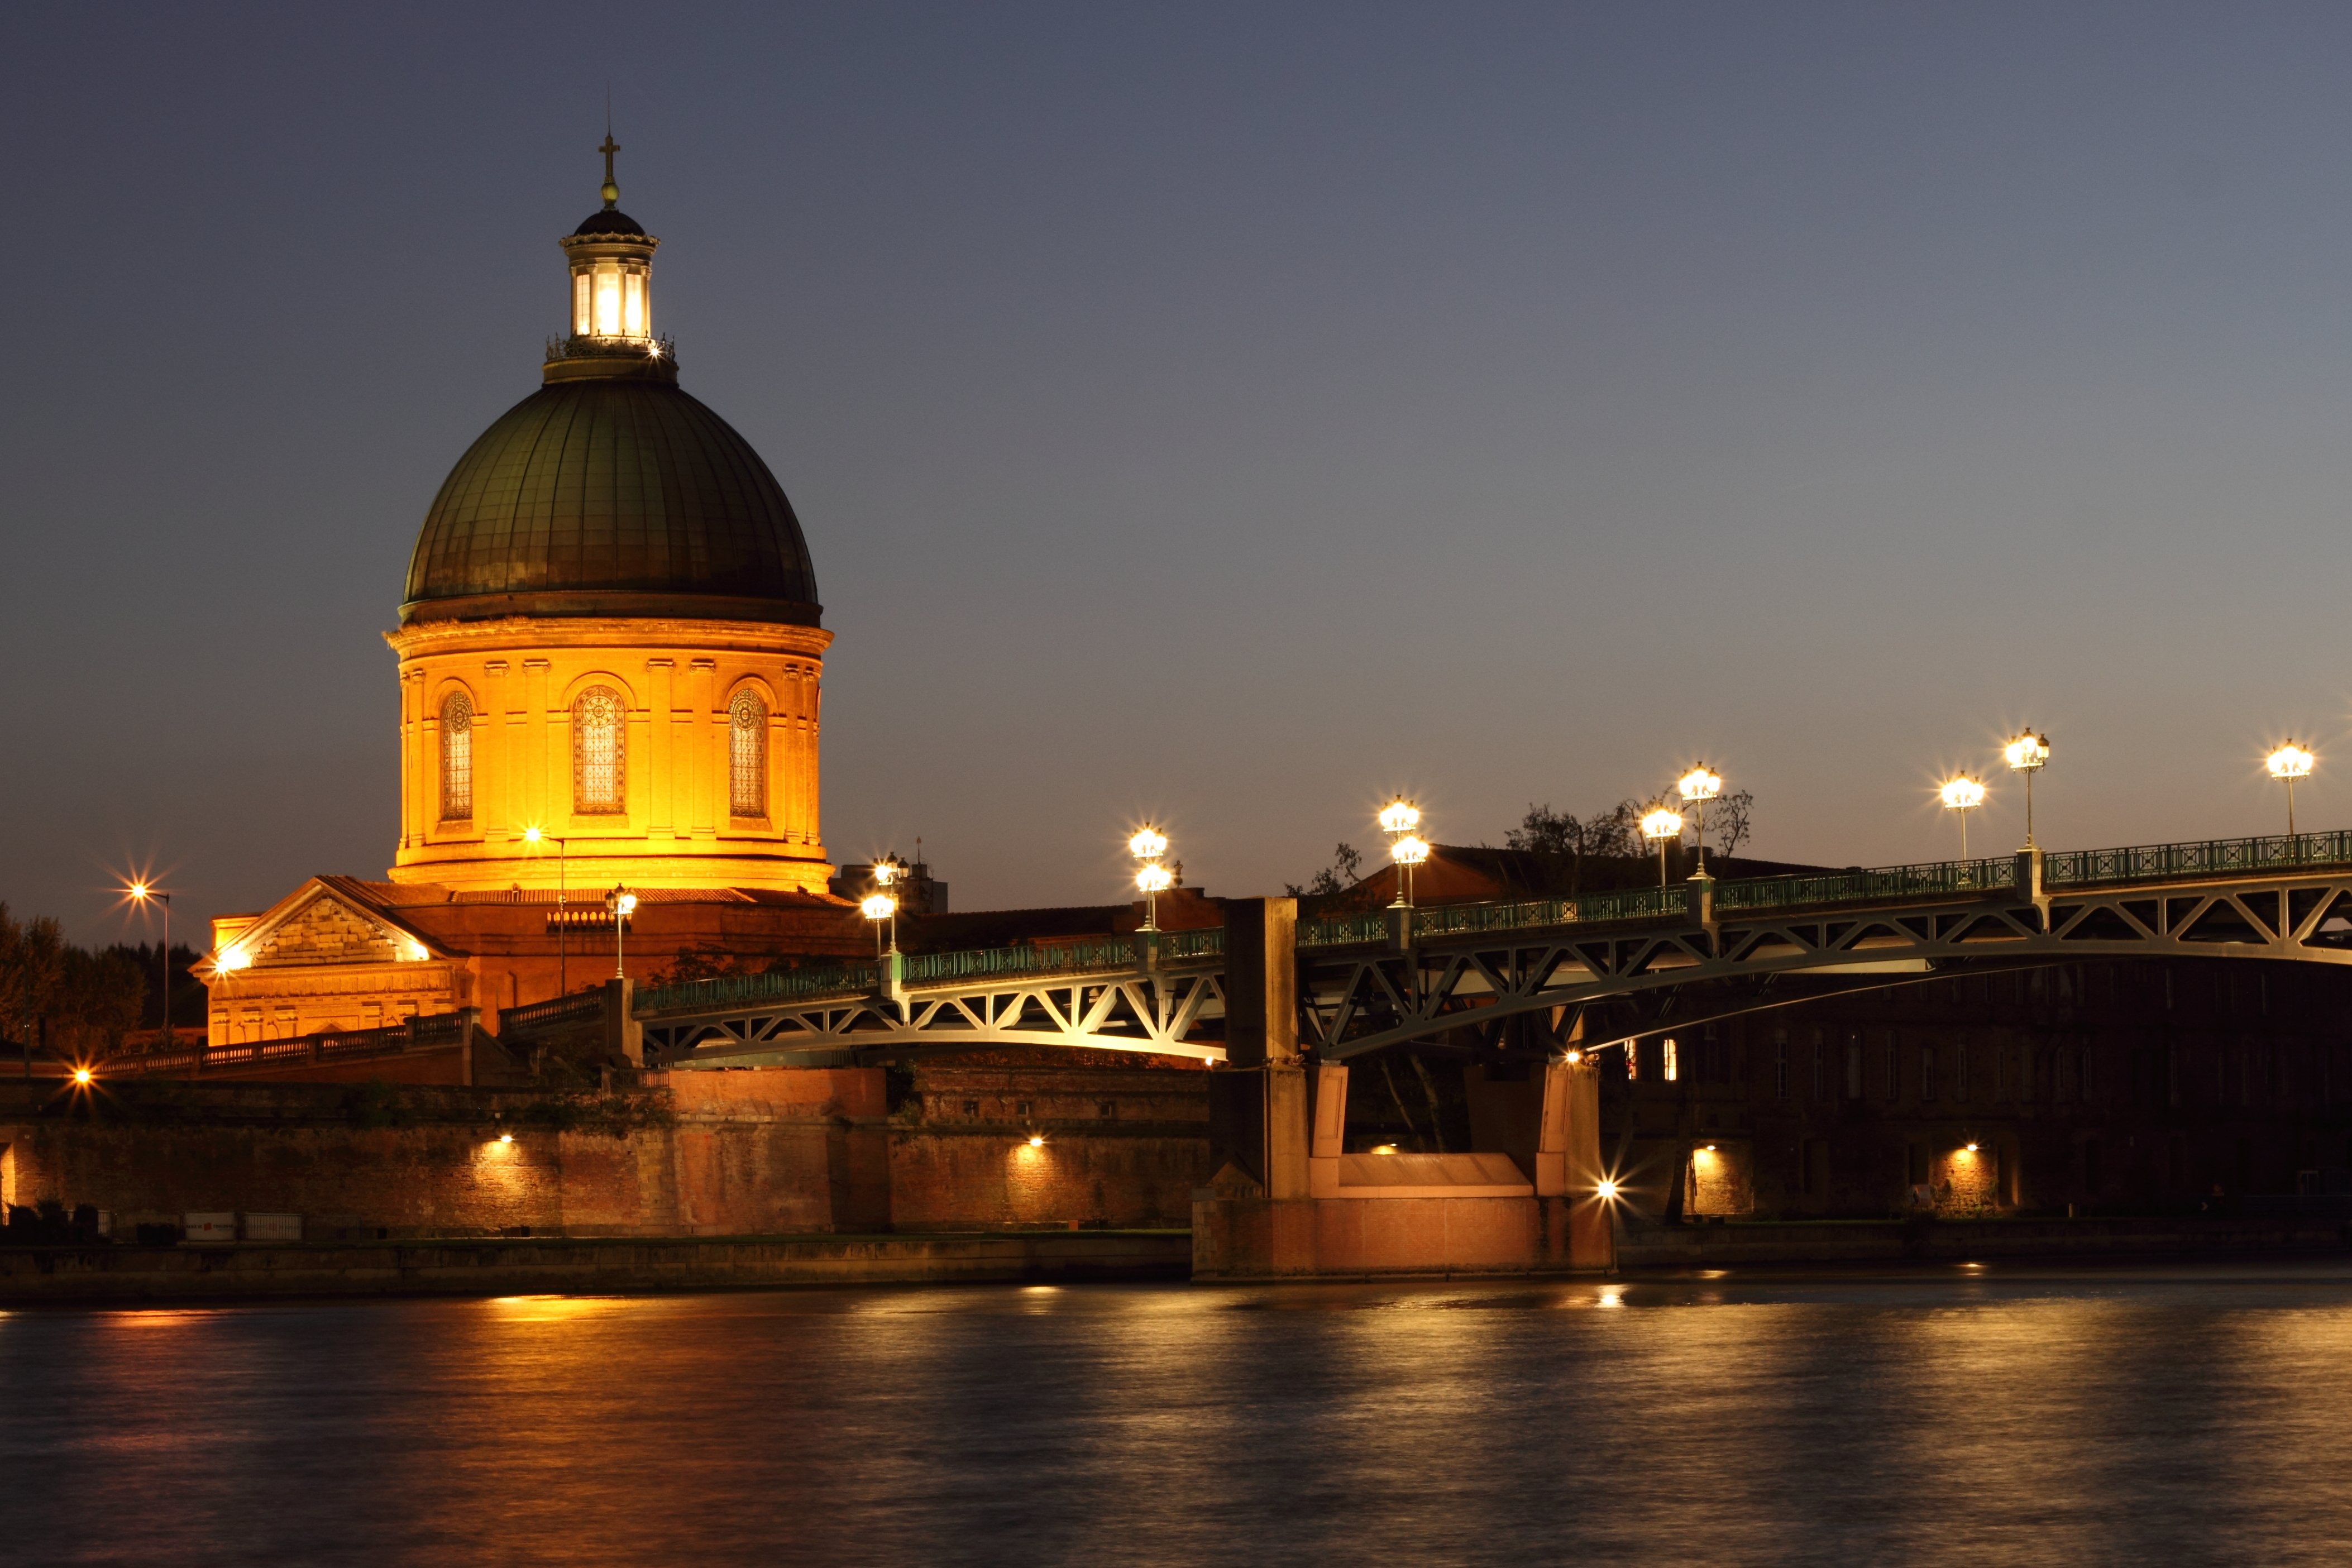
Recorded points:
612,191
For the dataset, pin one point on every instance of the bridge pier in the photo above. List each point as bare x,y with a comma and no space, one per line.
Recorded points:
1287,1200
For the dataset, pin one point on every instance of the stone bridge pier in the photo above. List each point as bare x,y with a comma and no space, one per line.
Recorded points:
1289,1200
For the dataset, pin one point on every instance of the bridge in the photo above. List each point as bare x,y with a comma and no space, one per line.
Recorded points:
1367,982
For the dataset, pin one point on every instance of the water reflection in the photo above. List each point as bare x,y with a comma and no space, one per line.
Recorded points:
1981,1413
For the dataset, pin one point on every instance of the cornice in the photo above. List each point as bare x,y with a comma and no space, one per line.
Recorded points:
524,633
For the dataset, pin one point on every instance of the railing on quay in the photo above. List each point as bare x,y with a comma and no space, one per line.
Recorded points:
2210,857
541,1017
327,1046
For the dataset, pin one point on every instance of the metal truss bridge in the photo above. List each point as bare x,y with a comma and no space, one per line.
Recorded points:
1372,980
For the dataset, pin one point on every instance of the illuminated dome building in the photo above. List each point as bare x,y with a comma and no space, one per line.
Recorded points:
610,652
611,629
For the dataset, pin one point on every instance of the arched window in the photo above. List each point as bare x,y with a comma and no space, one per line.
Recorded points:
457,757
599,763
747,752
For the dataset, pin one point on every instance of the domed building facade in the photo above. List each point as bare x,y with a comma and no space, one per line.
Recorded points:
611,654
611,645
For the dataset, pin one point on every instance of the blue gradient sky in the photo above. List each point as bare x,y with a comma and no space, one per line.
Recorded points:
1226,414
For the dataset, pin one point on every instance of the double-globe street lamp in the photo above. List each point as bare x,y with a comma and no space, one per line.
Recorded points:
2028,753
1399,819
1697,787
1152,876
1662,825
2287,764
1962,794
622,903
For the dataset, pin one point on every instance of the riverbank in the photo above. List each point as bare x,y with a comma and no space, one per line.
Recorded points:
597,1265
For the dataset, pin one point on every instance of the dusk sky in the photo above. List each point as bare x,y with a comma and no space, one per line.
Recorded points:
1223,414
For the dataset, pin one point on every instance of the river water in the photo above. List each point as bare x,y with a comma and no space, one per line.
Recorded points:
1987,1416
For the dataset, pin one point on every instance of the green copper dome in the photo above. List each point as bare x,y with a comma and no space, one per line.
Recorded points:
609,491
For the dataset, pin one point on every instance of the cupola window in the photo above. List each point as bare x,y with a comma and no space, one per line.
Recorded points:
747,753
599,763
456,758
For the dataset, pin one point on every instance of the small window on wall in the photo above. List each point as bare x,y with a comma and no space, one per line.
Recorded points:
457,757
599,765
748,755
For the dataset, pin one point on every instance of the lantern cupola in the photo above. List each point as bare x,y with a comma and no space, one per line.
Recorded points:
611,306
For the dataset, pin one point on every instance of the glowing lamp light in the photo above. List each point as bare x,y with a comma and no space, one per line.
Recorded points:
878,906
1154,878
2027,752
531,835
81,1077
1962,794
1148,843
1575,1059
1662,824
1400,816
1971,1149
506,1137
1607,1189
1036,1139
624,904
1699,784
1409,851
138,890
230,959
2290,761
1384,1149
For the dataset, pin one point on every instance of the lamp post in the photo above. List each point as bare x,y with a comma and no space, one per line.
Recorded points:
1661,825
622,903
1398,819
2028,753
1697,787
879,908
141,893
1963,794
2287,764
1152,877
562,864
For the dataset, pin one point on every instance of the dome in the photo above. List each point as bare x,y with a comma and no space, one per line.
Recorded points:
612,494
612,220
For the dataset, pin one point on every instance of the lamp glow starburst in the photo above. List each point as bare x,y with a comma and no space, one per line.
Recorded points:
2287,764
2027,754
1662,825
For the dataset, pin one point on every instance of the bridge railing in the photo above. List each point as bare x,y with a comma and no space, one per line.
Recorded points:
1936,877
1344,930
2214,856
987,963
742,990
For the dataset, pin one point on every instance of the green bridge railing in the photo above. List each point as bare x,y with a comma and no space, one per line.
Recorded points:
1940,878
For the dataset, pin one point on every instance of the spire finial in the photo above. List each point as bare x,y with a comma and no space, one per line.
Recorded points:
612,191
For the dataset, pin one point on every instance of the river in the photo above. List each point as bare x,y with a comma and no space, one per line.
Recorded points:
1981,1415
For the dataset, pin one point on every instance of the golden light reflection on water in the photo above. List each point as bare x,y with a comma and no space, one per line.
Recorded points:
1993,1415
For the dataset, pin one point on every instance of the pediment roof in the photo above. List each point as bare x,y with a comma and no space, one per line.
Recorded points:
331,920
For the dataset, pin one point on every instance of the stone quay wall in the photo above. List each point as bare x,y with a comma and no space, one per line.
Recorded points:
766,1152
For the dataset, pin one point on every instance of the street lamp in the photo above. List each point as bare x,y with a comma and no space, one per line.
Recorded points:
1398,819
2028,753
879,907
142,892
1661,825
534,837
622,903
1697,787
1963,794
2287,764
1151,877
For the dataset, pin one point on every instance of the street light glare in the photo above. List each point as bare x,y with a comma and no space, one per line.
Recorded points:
82,1076
1154,878
2027,751
878,906
530,836
1400,815
1409,851
2290,761
1962,794
1148,843
1663,823
1699,784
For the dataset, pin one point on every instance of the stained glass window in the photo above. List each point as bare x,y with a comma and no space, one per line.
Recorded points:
457,757
747,753
599,767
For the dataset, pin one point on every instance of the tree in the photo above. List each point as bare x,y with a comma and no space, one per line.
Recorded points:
1336,877
1563,839
1730,816
98,999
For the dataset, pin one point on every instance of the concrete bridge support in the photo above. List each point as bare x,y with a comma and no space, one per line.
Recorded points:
1287,1200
